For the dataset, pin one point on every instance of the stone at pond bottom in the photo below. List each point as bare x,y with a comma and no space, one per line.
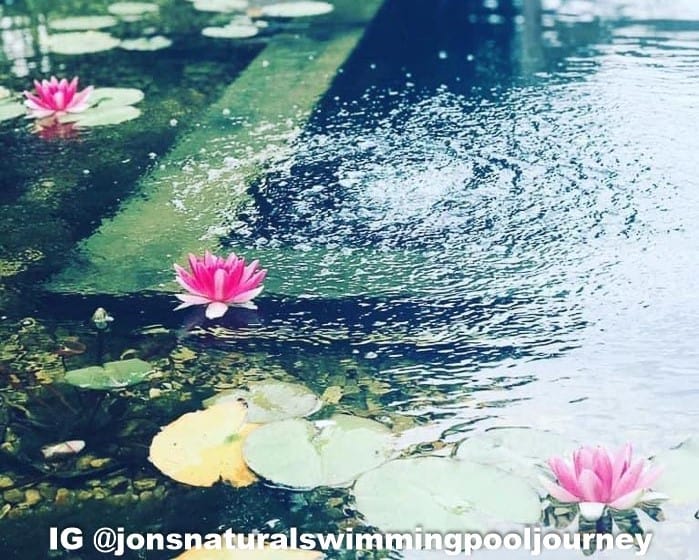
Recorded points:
441,494
301,454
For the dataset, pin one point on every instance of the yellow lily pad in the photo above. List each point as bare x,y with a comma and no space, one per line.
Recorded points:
203,447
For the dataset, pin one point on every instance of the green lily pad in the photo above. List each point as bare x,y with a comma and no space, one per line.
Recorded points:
440,494
115,97
102,116
222,6
82,42
521,451
11,109
83,23
270,401
297,9
301,454
132,8
231,31
154,43
679,472
113,375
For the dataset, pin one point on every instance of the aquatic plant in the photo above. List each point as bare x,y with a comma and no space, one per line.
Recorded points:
55,97
599,478
219,283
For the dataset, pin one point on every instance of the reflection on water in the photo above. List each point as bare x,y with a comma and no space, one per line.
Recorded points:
491,218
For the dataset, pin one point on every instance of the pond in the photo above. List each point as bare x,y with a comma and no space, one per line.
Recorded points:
479,225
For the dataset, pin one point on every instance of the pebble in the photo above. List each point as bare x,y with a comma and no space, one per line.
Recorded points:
5,482
47,491
99,463
14,496
62,496
147,496
32,497
145,484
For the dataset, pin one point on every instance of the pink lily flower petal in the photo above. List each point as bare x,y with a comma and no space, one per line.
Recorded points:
599,478
219,283
53,97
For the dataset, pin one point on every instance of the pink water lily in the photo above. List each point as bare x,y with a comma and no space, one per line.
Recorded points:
54,97
219,283
598,478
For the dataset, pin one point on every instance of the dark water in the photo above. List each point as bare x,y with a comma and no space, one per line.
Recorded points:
500,202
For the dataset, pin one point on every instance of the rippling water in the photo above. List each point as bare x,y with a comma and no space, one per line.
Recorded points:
532,224
496,213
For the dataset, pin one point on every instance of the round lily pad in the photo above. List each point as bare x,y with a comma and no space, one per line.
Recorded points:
296,9
231,31
11,109
300,454
154,43
517,450
222,6
132,8
115,97
441,494
269,401
81,42
679,478
102,116
83,23
203,447
113,375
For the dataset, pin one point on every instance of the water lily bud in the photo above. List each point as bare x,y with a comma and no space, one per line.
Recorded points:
101,319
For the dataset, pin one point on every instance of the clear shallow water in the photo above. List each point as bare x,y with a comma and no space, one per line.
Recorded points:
492,216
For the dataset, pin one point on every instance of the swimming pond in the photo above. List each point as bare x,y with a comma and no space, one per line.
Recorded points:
478,225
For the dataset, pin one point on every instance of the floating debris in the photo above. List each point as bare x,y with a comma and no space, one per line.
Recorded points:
63,449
